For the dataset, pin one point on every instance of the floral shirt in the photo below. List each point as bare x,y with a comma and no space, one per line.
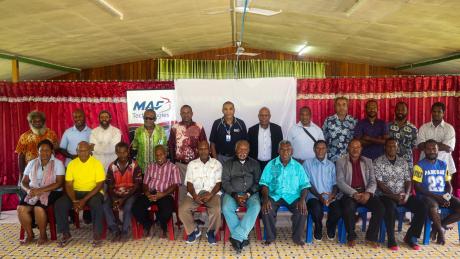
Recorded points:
406,137
28,141
338,134
392,175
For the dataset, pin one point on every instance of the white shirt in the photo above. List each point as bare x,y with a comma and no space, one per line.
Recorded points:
443,133
203,176
264,144
301,142
58,170
104,141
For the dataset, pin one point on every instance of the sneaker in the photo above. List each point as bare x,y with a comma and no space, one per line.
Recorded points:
193,236
211,237
331,235
318,235
245,243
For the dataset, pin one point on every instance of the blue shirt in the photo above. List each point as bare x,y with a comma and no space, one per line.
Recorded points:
376,129
70,139
432,176
284,182
58,169
321,175
338,134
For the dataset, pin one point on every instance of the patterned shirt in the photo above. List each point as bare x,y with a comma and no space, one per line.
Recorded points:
432,176
184,140
28,141
161,177
145,145
338,134
392,175
123,181
406,137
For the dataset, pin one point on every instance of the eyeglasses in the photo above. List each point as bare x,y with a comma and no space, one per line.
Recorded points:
150,118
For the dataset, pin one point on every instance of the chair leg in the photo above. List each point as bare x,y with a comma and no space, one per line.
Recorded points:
309,234
458,230
364,220
400,221
427,232
226,231
383,229
52,222
259,232
104,229
171,229
341,233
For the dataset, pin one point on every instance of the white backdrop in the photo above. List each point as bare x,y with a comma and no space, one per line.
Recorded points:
249,95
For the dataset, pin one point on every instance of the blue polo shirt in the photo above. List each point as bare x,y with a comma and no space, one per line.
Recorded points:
284,182
376,129
321,175
219,132
70,139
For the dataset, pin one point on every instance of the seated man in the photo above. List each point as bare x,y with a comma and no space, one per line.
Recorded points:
160,181
323,190
84,180
394,189
124,180
284,183
356,182
432,184
240,182
203,179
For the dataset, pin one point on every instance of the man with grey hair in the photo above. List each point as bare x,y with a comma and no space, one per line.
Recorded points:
27,143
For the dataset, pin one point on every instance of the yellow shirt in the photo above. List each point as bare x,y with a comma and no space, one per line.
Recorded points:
85,175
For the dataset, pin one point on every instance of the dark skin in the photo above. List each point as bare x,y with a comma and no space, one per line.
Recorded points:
36,122
160,158
401,114
391,149
285,152
371,115
186,115
341,108
242,151
79,120
354,151
203,152
264,117
320,154
437,115
305,116
228,110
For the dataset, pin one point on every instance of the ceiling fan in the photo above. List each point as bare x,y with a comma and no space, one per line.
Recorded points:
239,6
240,52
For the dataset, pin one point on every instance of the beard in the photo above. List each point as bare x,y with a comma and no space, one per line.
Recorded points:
38,131
432,156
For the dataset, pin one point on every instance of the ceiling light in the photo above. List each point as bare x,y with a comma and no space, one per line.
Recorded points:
304,49
110,8
167,51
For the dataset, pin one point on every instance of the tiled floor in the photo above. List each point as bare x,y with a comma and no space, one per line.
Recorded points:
160,248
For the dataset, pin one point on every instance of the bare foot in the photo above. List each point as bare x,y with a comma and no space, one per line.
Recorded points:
42,241
27,241
441,238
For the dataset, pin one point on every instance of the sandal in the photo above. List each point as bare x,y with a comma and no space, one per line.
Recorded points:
97,243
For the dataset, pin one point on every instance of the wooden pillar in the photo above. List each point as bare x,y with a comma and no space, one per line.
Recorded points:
14,70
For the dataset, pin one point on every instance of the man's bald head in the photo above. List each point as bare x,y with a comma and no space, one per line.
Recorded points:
264,117
84,151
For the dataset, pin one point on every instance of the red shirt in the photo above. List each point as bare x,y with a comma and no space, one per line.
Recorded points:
357,180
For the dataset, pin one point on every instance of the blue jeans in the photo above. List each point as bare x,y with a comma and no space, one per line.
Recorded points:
110,217
239,229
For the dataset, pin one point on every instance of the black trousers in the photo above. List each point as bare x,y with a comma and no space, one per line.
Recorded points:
416,206
165,210
315,208
349,206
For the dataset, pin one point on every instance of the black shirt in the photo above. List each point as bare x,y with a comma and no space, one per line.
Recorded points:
219,132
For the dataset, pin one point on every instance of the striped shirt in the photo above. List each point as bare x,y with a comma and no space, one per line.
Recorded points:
161,177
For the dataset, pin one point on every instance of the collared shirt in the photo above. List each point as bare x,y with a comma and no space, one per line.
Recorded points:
70,139
104,141
433,176
203,176
406,136
58,169
161,177
219,132
85,175
321,175
240,177
302,144
145,145
184,140
28,141
338,134
264,144
376,129
392,175
444,133
123,181
284,182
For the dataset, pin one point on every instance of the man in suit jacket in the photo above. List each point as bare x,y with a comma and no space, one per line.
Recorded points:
264,138
357,184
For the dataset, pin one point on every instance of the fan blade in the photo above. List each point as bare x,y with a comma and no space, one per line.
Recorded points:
249,54
259,11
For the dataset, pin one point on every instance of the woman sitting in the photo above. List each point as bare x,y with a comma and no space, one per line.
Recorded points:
43,180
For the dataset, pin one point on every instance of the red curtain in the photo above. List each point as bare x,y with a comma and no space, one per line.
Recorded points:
418,92
57,100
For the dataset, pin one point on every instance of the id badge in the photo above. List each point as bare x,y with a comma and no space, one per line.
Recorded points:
228,138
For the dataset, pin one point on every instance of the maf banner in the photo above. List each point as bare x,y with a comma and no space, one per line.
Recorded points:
163,102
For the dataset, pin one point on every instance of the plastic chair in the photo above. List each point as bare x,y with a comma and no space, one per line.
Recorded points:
140,228
400,212
257,226
362,212
77,222
309,231
202,208
427,232
52,223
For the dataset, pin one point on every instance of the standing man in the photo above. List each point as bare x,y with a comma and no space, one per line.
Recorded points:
284,182
146,138
225,132
28,141
323,191
404,132
357,184
394,189
303,135
264,138
372,132
183,143
338,130
240,182
440,131
74,135
103,140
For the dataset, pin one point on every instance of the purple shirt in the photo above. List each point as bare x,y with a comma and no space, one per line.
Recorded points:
377,129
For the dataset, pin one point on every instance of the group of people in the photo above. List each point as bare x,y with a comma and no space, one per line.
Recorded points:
345,164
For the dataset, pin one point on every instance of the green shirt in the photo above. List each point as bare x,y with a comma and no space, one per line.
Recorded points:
284,182
145,145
